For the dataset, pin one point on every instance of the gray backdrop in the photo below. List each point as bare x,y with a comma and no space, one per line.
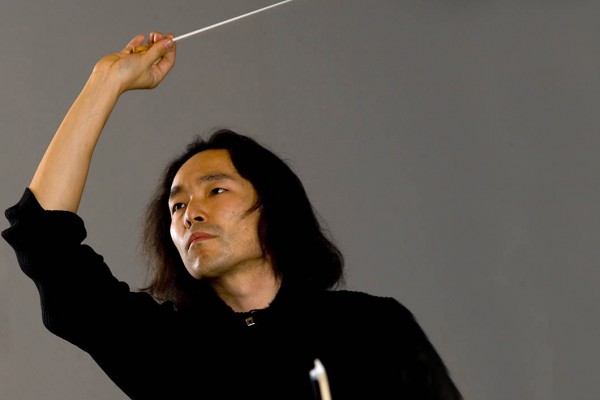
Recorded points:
450,147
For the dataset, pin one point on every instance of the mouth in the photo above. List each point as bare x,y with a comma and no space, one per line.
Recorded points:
198,237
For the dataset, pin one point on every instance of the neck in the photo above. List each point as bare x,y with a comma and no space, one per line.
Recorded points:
248,291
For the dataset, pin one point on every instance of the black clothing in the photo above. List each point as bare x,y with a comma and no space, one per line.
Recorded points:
371,347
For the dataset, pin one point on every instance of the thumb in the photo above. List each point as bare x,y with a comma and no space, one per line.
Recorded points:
160,49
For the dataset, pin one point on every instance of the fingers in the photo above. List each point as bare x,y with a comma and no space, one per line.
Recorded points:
163,54
161,46
133,43
154,62
140,69
136,44
153,37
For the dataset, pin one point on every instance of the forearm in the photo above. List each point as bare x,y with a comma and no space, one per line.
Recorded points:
60,178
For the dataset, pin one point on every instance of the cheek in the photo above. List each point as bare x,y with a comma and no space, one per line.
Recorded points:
175,236
249,230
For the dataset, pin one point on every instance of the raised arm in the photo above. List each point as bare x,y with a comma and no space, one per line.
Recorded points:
60,178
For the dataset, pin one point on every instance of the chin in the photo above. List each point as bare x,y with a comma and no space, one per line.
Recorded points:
195,271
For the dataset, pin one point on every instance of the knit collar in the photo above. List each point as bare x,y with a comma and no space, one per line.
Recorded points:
206,301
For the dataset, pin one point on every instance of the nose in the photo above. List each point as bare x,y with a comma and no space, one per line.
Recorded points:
193,213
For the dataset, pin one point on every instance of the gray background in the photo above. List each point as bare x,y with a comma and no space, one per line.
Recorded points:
450,146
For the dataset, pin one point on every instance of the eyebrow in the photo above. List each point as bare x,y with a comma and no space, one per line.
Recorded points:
212,177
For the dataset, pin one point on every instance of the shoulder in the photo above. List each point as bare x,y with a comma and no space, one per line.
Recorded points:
352,297
366,304
380,321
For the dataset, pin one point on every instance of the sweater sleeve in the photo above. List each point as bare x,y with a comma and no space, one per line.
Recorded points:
34,230
81,300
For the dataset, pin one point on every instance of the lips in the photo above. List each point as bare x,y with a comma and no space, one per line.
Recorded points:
197,237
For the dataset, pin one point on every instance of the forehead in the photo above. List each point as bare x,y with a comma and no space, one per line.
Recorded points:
212,163
208,159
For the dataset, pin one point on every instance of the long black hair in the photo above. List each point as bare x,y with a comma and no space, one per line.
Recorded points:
289,230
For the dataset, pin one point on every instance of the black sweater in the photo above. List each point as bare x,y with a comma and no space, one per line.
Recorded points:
371,347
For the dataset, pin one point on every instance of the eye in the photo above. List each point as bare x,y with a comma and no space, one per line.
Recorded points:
217,190
176,207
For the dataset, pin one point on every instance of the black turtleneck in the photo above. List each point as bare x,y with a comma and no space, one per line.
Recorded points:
371,346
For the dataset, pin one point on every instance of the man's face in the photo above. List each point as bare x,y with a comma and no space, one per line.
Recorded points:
210,223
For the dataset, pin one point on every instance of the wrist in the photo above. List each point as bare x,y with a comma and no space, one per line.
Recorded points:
99,95
103,82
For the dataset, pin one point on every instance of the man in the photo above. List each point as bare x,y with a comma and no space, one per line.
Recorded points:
241,301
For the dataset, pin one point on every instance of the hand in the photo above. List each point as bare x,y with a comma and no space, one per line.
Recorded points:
129,70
